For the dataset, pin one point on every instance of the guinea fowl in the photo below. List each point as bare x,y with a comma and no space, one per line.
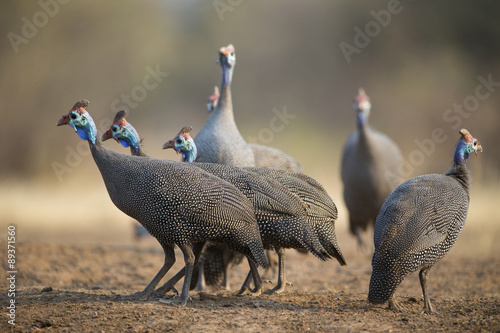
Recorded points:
281,215
216,147
220,141
265,156
321,212
177,203
139,230
370,170
418,224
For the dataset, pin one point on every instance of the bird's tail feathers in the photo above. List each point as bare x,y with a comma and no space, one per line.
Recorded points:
258,253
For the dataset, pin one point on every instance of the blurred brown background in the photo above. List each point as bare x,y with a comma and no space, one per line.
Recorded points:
417,60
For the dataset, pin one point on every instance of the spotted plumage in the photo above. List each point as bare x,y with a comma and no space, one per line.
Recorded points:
177,203
281,215
418,224
278,231
320,209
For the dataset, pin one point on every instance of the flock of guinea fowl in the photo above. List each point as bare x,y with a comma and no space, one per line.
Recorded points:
196,205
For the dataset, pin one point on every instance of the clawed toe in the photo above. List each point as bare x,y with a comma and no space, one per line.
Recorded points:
241,292
273,291
162,291
394,306
255,292
139,296
430,311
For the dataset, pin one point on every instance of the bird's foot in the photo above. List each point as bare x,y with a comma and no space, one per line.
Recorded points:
138,296
429,310
279,288
163,290
394,306
255,292
174,300
243,291
267,281
248,292
275,290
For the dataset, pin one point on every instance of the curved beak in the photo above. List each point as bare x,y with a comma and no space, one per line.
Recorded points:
168,144
107,135
479,148
63,121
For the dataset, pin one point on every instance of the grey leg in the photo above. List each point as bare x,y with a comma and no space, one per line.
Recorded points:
393,305
252,275
256,278
169,285
280,287
146,293
424,273
361,243
201,284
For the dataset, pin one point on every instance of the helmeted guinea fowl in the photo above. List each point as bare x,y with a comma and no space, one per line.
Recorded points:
281,215
265,156
214,142
370,170
177,203
321,212
219,141
211,272
139,230
418,224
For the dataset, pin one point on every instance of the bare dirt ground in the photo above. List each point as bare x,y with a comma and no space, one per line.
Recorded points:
325,297
88,256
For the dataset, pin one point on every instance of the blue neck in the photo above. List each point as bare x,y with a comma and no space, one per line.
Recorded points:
135,150
189,156
361,119
227,73
461,154
130,138
86,129
189,151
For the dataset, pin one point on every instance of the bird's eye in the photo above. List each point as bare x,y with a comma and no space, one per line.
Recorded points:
474,143
114,128
73,116
178,141
232,54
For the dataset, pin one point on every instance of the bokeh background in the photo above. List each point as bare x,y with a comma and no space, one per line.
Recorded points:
420,62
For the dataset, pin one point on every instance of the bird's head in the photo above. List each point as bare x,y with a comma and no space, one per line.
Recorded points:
184,144
213,99
468,144
227,56
123,132
81,121
361,104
